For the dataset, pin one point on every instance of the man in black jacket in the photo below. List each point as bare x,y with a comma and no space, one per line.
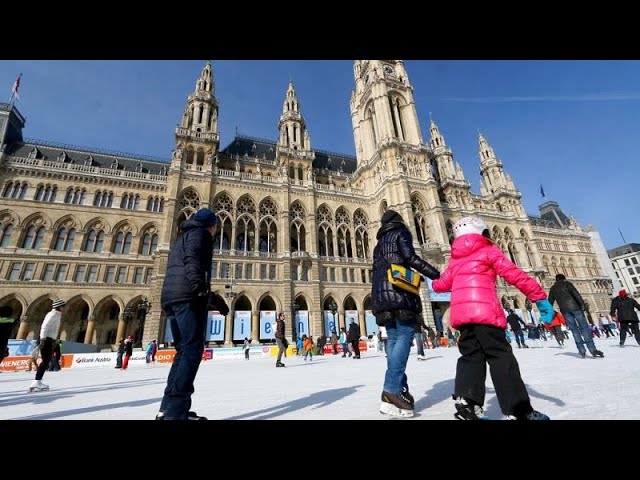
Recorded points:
396,309
185,298
623,307
572,307
514,322
353,337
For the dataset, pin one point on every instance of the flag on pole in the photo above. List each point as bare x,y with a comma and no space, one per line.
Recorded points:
541,191
16,87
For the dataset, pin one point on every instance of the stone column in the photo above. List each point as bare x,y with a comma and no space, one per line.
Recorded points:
91,325
255,325
122,325
23,329
229,329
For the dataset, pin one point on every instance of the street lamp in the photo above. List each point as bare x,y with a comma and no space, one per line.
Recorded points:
294,331
128,316
333,308
143,310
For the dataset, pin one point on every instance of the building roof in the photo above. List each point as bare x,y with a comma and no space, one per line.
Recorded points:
90,156
266,149
623,250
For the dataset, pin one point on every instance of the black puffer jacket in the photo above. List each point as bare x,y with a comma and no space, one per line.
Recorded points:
623,307
568,298
189,265
395,246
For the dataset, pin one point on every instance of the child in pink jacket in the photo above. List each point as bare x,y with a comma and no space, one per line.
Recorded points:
477,313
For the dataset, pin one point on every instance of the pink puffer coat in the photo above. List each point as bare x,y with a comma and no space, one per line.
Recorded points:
471,277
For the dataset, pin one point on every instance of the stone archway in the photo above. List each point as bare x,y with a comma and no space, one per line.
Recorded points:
106,317
16,307
73,327
36,312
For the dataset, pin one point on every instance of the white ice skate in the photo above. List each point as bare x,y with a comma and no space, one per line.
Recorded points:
38,386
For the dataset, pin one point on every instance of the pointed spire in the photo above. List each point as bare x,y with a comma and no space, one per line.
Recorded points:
205,82
293,131
437,140
486,152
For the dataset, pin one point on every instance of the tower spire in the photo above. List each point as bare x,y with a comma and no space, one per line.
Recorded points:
293,130
197,137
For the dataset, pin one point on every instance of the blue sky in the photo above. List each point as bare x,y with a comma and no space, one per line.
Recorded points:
570,125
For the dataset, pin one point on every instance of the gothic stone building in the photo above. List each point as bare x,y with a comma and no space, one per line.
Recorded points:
298,225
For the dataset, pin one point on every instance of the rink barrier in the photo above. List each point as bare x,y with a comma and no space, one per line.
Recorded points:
138,359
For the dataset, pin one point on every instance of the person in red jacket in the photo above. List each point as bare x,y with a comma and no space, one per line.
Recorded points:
556,328
477,313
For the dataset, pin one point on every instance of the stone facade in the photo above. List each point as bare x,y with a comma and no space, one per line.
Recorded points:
298,225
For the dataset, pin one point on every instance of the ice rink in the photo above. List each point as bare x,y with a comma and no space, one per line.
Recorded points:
560,383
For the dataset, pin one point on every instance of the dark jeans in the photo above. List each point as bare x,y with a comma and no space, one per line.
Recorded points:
633,327
188,323
281,350
45,351
119,360
356,347
482,344
519,337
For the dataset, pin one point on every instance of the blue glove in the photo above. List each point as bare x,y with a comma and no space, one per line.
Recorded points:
546,311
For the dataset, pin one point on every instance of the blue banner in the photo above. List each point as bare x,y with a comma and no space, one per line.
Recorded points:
215,330
267,325
242,325
350,315
330,323
302,323
437,297
370,323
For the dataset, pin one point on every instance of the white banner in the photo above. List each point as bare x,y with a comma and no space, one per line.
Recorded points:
302,323
215,330
370,323
238,353
267,325
350,315
242,325
330,322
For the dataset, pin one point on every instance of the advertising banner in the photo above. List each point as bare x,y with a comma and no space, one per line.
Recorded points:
370,323
267,325
351,315
215,332
242,325
302,323
330,323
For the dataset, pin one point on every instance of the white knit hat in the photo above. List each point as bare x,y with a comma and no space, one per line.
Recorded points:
469,225
58,303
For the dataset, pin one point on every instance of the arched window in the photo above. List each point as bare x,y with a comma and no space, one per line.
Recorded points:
122,244
33,238
64,239
94,242
5,234
149,244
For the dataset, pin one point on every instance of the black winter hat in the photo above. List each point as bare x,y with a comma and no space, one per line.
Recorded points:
391,216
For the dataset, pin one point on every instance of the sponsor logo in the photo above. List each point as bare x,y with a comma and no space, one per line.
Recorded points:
93,360
14,363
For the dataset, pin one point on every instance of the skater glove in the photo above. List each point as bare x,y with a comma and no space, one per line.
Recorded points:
546,311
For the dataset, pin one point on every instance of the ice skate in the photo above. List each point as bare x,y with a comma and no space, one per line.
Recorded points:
396,405
38,386
532,415
467,411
